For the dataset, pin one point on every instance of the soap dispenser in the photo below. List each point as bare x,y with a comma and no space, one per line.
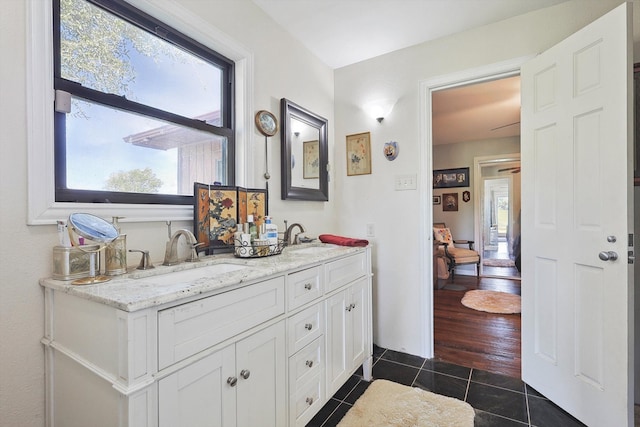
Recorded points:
115,253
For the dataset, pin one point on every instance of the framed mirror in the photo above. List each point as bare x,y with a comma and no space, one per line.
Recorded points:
304,153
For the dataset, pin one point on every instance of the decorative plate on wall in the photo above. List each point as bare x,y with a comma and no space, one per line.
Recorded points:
266,123
391,150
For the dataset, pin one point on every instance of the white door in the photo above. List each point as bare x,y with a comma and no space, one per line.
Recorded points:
577,195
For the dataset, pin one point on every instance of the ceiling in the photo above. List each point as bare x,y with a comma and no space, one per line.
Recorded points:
343,32
476,112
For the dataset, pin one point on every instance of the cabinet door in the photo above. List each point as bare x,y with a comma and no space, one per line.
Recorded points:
199,394
357,323
336,339
346,333
260,366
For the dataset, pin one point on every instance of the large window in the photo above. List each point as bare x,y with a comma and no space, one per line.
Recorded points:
141,111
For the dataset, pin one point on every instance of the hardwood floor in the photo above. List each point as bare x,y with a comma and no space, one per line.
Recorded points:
476,339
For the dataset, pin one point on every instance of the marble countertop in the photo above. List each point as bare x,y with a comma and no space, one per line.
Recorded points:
140,289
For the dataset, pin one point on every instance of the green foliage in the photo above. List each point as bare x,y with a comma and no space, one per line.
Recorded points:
96,46
134,181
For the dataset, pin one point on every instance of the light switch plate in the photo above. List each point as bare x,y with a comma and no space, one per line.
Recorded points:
406,182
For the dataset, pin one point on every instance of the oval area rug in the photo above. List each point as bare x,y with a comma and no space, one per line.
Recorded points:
388,404
492,301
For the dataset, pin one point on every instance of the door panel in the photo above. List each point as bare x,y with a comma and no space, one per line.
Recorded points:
198,395
260,365
576,141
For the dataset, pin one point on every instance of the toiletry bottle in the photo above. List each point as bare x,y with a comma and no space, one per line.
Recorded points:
63,235
237,238
115,254
253,230
271,231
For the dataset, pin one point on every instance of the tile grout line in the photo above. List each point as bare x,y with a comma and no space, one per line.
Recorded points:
418,373
526,397
329,416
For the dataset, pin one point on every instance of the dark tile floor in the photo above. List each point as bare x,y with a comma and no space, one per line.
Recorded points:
498,400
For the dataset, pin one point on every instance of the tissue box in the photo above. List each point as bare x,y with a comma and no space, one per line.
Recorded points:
73,263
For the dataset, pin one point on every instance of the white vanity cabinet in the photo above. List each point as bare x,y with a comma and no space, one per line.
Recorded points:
265,346
241,385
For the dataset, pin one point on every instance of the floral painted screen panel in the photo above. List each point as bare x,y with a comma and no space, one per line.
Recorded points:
219,209
257,205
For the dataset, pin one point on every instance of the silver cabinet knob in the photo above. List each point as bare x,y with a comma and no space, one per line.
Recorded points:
232,381
307,286
309,363
308,326
245,373
309,400
608,256
348,308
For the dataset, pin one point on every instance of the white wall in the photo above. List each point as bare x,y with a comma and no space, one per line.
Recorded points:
282,67
400,320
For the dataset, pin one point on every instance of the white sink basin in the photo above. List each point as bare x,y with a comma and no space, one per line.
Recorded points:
193,274
314,250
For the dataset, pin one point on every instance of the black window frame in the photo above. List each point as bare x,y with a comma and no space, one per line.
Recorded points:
155,27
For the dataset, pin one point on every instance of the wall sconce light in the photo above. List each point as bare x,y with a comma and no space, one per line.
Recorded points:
379,109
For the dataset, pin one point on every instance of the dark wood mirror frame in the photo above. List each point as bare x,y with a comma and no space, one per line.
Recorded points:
288,111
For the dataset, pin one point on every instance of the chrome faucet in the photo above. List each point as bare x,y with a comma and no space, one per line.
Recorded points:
171,253
287,234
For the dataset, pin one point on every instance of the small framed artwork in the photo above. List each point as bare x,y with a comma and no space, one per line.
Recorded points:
450,202
359,154
310,160
449,178
466,196
437,200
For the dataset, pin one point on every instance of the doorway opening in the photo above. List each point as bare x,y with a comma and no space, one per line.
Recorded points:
497,215
490,220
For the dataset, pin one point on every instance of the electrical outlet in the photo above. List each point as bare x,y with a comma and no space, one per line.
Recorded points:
405,182
371,232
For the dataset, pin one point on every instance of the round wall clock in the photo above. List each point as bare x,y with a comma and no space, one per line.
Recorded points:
266,123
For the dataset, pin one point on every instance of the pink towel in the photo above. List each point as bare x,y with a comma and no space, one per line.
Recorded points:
342,241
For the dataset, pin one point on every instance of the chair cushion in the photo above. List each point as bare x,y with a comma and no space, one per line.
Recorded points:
442,235
461,255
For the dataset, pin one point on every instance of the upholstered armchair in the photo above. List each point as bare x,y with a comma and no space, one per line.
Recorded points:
454,256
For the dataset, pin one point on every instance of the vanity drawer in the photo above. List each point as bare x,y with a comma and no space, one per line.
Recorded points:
306,402
306,363
305,327
192,327
303,287
340,272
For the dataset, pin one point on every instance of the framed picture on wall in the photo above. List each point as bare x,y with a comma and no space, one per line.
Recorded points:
449,178
359,154
437,200
450,202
